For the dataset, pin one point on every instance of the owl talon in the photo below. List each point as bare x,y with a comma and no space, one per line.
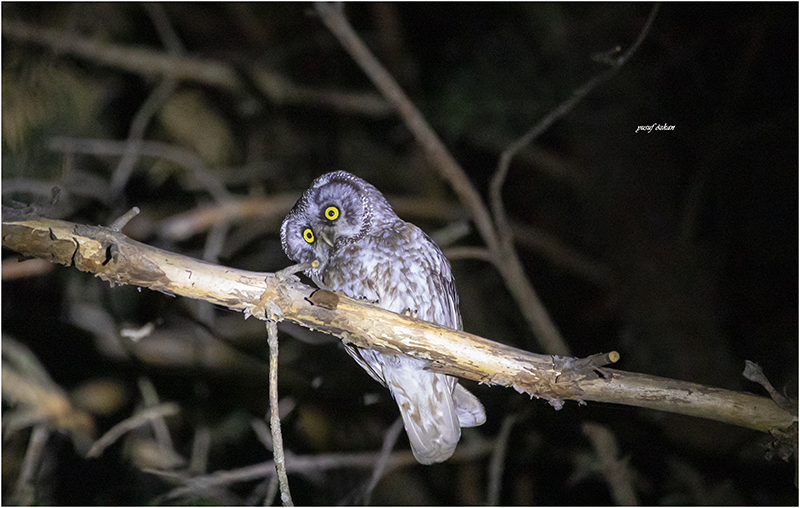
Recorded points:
290,272
367,300
410,313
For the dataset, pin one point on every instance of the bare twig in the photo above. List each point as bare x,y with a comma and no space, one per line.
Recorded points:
497,462
389,441
215,241
160,428
180,156
120,222
201,444
141,418
312,464
616,472
24,490
481,253
153,103
141,120
27,384
167,34
274,418
496,186
147,62
136,60
262,432
754,373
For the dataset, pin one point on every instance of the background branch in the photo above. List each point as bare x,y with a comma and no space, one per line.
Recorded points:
215,73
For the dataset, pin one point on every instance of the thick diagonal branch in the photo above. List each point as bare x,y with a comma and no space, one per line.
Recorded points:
112,256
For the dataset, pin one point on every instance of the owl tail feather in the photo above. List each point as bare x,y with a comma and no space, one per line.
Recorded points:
426,404
468,408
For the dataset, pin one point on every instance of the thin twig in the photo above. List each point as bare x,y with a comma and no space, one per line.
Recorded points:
167,34
160,428
274,417
616,471
214,73
389,441
754,373
141,418
178,155
215,241
481,253
201,444
313,464
141,120
261,429
25,491
497,462
120,222
498,179
153,103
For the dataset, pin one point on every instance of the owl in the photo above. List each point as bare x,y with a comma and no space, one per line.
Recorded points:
367,252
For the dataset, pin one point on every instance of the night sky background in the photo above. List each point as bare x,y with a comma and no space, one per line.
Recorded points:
676,248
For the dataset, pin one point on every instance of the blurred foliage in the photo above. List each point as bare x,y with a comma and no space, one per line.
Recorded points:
698,227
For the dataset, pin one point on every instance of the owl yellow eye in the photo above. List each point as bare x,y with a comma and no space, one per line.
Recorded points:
331,213
308,235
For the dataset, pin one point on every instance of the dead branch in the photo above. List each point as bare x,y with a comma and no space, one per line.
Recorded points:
313,464
201,219
616,471
151,62
113,257
274,418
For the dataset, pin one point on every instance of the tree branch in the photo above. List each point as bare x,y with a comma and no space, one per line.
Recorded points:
214,73
274,418
112,256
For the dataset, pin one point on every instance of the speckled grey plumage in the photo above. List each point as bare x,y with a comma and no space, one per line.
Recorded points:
368,252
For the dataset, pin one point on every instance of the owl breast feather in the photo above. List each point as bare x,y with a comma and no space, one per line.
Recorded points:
401,269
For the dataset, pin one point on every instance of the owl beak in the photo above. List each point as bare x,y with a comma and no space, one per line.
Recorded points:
327,236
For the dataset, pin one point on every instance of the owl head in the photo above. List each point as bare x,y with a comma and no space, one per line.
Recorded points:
338,209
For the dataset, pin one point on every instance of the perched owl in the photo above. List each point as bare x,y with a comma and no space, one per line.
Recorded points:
366,251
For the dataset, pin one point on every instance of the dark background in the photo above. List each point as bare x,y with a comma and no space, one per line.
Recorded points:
687,238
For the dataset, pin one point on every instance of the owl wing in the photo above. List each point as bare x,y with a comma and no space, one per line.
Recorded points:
403,270
355,352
